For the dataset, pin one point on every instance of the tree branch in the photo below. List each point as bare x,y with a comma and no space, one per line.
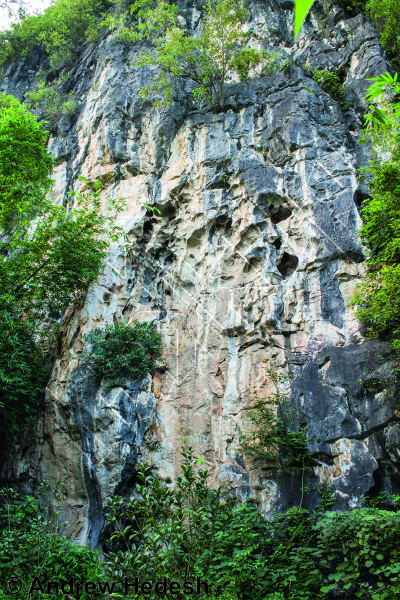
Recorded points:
49,259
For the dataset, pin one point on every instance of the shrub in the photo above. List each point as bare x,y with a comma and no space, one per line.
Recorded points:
330,83
183,533
120,351
50,102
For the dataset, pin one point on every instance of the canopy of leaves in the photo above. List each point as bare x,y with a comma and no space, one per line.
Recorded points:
24,168
50,255
205,59
121,351
58,31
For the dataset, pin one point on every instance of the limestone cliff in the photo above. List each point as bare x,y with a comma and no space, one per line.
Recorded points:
253,257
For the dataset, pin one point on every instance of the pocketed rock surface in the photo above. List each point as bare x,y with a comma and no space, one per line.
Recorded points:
251,256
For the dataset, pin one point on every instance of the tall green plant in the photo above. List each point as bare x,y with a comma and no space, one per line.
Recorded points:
206,59
275,433
50,255
182,533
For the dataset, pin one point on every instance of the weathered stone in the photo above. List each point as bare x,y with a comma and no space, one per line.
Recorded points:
252,258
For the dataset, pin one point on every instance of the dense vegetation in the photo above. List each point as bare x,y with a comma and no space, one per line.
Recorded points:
50,255
58,31
120,351
188,531
31,545
377,296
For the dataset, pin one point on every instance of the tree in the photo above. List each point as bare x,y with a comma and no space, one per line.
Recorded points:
206,59
385,15
275,434
377,296
50,255
58,30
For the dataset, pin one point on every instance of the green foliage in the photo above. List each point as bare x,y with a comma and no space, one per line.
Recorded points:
24,168
31,545
275,434
388,115
385,15
363,552
184,532
22,371
51,104
187,530
50,255
353,7
330,83
376,297
120,351
207,59
58,31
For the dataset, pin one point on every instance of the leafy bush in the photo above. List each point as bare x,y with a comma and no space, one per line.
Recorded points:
31,546
51,103
58,31
330,83
276,435
120,351
183,533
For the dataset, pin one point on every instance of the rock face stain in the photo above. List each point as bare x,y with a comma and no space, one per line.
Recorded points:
251,256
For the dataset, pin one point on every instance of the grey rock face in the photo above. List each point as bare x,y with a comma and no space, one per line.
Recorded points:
253,258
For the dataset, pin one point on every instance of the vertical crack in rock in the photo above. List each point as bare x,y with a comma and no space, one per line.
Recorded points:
83,390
